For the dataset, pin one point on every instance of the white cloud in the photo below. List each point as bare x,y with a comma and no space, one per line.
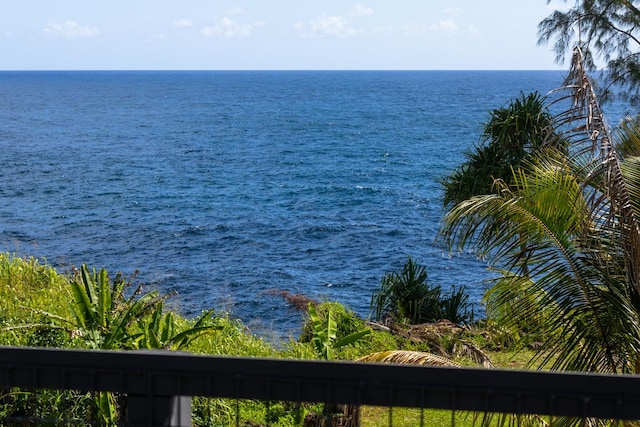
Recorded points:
474,32
385,29
183,23
447,26
412,30
360,10
70,30
227,27
326,26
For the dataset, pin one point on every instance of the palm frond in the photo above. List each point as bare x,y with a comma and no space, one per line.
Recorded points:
565,233
472,351
592,144
536,231
406,357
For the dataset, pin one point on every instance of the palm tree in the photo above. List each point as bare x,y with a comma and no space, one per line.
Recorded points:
406,297
510,136
575,281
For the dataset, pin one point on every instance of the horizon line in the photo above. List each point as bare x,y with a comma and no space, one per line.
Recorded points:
271,70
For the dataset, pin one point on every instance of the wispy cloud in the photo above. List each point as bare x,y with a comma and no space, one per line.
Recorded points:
474,32
333,25
70,30
384,29
447,26
412,30
326,26
227,27
183,23
360,10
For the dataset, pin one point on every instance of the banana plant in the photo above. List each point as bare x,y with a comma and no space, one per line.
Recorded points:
325,344
324,338
161,330
103,315
106,408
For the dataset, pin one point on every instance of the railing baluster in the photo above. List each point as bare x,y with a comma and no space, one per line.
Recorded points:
422,392
237,398
453,405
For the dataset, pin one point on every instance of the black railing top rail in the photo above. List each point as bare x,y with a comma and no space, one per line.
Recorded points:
163,373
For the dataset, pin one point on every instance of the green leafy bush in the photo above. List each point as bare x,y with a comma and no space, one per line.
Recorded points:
405,296
325,341
347,322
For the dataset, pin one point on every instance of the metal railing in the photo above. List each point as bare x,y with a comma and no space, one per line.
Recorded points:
159,384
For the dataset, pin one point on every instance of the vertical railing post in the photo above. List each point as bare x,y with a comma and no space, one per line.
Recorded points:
165,411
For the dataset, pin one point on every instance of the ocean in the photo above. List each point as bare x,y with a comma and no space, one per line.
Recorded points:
227,187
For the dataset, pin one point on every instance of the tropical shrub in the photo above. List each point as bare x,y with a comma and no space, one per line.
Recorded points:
406,296
511,135
325,341
565,232
347,322
105,311
167,331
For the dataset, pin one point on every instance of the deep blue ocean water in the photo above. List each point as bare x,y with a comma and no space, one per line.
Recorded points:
224,186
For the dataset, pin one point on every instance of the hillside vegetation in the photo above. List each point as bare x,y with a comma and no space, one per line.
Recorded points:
89,309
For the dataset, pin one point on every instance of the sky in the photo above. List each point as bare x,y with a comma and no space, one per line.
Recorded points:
274,35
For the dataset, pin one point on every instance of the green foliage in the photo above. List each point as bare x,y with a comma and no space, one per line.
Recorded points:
347,322
607,32
405,296
47,335
229,337
62,406
492,336
162,330
507,301
565,233
101,313
556,284
325,339
106,408
26,284
226,412
509,137
103,316
455,306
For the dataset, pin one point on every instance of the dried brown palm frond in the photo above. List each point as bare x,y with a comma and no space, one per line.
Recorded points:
472,351
583,122
591,144
406,357
401,357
